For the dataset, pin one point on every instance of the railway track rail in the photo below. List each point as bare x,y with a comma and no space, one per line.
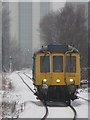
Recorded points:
43,102
46,113
25,82
75,113
27,76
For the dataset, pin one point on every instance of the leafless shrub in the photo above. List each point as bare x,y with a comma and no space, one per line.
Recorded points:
6,83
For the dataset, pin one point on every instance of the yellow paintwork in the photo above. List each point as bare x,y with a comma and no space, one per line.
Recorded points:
53,76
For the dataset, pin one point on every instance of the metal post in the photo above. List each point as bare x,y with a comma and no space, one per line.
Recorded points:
10,64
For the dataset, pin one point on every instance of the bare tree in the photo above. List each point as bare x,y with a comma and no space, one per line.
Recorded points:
66,26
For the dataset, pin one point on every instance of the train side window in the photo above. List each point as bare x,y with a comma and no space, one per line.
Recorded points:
44,64
71,64
57,63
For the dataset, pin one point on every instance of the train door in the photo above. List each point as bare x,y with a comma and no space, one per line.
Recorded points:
57,69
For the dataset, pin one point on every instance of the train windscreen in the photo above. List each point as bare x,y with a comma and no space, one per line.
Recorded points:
44,64
57,63
71,64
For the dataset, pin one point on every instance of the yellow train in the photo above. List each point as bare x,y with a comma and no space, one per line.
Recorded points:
56,73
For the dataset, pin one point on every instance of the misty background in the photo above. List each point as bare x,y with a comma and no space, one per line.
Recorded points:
24,26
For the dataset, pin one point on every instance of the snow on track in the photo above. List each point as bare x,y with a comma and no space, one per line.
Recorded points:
33,108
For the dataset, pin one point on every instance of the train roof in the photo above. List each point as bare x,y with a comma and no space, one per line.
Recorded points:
59,48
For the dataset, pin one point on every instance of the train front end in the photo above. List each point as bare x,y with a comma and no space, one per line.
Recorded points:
56,73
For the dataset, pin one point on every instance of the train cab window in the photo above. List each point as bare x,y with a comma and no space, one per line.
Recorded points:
44,64
71,64
57,63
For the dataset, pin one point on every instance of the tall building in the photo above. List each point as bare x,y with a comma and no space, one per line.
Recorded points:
24,26
25,32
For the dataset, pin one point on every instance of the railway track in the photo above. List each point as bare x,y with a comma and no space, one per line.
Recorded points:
25,82
43,102
27,76
46,113
75,113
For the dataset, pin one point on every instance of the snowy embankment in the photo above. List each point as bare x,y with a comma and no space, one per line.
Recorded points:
27,106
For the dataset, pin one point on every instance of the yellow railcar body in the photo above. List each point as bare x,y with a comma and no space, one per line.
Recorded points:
53,76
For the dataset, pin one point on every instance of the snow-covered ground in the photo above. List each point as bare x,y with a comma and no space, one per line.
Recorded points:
25,105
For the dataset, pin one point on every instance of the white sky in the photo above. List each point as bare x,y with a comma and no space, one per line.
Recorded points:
56,6
45,0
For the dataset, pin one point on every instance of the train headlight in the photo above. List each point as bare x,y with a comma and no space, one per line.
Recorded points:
71,80
57,80
44,80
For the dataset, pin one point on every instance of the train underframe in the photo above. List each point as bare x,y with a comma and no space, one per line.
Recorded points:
57,93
